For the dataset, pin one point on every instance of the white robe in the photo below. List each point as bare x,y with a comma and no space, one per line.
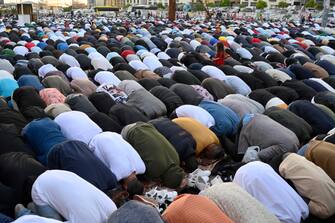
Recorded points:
117,154
69,60
74,198
264,184
76,73
42,71
106,77
76,125
197,113
35,219
214,72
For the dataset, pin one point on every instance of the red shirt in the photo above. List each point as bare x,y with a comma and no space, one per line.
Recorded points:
219,59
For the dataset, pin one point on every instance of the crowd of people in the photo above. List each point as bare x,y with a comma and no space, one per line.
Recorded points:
153,121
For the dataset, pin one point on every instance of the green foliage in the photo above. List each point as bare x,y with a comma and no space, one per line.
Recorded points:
311,4
261,4
225,3
126,6
211,5
160,5
319,6
67,9
282,4
198,7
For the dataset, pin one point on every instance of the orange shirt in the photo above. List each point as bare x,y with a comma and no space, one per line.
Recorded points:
189,208
202,135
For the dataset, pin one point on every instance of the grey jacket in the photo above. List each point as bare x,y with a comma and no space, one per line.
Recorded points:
148,104
272,138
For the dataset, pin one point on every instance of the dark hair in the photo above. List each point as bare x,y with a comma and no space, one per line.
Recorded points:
135,187
213,151
219,47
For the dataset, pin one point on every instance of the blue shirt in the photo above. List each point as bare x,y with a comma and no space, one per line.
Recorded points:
226,120
30,80
7,87
42,135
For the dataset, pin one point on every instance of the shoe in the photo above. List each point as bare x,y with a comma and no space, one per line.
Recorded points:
171,195
216,180
31,206
192,177
21,210
202,182
161,196
251,154
152,193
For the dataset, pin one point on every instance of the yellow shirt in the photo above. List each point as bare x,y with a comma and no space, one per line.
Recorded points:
201,134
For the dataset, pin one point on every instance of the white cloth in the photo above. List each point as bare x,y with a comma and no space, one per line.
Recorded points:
268,49
71,196
138,65
163,56
6,65
42,71
262,66
323,83
197,113
117,154
76,73
274,102
327,49
77,125
176,68
195,44
238,85
147,54
330,58
233,45
243,69
278,75
214,72
264,184
20,50
5,75
69,60
300,54
35,219
152,62
106,77
244,53
95,55
101,63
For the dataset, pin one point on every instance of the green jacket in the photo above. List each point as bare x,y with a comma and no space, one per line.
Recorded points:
160,158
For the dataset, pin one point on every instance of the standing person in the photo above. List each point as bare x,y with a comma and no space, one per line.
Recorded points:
220,54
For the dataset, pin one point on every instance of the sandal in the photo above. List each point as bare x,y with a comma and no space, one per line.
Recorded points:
193,177
202,182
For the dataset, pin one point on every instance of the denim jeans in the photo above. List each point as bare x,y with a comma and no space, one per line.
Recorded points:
302,150
43,211
5,219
